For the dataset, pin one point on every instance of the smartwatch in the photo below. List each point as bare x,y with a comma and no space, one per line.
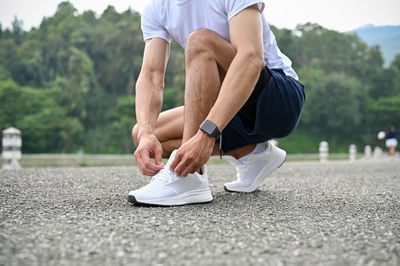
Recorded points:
210,129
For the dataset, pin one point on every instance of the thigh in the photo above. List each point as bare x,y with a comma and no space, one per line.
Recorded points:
278,110
279,106
221,48
169,124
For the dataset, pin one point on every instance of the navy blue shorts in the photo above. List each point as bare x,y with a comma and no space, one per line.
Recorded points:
277,112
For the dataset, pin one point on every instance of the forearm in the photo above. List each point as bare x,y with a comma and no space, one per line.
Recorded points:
149,98
237,87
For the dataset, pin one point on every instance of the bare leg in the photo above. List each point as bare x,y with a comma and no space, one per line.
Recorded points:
169,131
392,150
208,57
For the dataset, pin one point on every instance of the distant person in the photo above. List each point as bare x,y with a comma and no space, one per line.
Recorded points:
80,150
391,141
240,92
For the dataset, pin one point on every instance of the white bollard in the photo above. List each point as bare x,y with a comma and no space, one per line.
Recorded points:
352,152
378,152
323,151
367,152
11,148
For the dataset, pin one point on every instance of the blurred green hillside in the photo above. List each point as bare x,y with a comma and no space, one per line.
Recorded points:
387,37
70,83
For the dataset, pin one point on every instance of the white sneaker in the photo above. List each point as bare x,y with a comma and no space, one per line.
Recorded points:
168,189
252,173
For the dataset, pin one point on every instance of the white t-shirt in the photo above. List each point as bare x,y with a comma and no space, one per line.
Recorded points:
178,18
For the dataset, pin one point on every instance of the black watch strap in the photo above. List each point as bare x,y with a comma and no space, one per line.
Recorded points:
210,129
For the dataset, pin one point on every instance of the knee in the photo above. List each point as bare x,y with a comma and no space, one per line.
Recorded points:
135,130
199,43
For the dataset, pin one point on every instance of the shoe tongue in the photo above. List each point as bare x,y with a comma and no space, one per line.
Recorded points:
171,158
166,174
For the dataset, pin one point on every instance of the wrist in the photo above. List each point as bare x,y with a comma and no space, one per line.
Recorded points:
210,129
204,137
145,133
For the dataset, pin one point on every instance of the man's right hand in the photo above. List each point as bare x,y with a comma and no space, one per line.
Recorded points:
149,147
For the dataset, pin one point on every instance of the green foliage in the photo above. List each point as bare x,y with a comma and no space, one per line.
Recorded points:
45,124
70,83
122,118
386,108
334,104
349,95
301,142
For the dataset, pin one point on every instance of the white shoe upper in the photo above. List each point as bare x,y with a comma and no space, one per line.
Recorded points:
167,188
252,173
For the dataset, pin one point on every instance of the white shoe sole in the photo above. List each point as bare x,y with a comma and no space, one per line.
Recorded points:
266,171
190,197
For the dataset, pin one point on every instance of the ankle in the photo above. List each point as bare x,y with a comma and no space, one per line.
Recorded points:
242,151
260,147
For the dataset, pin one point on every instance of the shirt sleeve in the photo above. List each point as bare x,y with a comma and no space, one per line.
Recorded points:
151,23
233,7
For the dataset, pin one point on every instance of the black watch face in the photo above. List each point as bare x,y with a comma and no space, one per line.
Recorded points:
208,127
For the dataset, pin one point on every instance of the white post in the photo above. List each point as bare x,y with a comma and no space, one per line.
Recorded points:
377,153
11,148
367,152
323,151
352,152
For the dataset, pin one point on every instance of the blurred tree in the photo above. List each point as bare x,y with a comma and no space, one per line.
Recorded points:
334,105
71,82
45,125
17,30
122,118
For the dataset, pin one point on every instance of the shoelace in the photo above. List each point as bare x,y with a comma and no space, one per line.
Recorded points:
165,175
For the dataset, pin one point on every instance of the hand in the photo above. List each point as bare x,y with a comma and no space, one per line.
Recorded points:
193,154
149,146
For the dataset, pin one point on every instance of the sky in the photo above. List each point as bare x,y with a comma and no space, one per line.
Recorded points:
340,15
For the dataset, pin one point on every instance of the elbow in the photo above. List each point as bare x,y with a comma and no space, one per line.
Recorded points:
256,60
253,59
158,82
152,79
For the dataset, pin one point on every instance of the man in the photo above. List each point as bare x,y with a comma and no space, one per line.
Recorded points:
240,92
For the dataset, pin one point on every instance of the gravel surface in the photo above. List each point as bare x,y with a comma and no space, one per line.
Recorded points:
338,213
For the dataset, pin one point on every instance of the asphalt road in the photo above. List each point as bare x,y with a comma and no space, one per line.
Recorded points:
307,213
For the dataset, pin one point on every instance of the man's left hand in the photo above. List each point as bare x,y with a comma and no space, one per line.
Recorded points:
193,154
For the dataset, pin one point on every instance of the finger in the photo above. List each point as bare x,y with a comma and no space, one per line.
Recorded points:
146,165
136,155
153,167
190,169
185,165
138,161
158,157
141,166
147,168
148,172
175,162
181,168
185,171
